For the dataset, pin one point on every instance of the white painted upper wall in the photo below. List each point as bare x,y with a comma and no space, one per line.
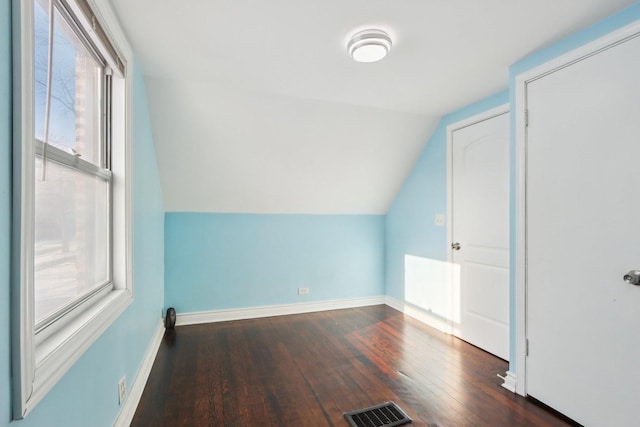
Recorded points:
256,106
235,151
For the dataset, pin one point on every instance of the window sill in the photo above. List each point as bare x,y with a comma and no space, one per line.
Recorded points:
55,355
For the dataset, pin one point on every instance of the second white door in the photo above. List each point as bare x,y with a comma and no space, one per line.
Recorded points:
480,233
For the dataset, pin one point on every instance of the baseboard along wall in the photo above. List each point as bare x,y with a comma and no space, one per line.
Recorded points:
226,315
128,409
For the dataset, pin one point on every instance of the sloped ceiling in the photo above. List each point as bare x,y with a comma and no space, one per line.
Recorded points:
256,106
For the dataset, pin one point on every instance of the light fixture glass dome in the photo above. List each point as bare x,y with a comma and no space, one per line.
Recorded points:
369,45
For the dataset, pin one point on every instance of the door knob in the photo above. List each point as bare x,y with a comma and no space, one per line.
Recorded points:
632,277
456,247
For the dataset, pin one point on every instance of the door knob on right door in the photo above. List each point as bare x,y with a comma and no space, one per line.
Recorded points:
455,246
632,277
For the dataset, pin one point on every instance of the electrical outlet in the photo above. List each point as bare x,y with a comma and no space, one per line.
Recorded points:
439,220
303,291
122,389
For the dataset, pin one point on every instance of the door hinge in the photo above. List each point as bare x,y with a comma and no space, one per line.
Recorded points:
526,347
526,118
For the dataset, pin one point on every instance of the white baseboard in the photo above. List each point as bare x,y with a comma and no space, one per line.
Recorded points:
132,399
183,319
509,381
420,314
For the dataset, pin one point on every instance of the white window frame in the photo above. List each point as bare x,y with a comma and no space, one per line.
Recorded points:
38,363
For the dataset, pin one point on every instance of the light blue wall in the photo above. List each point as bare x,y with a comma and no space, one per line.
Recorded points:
591,33
87,394
410,228
220,261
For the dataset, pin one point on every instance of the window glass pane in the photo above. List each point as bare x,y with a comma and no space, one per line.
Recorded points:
71,236
40,46
76,88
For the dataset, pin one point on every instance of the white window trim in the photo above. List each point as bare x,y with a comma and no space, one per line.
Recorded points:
38,366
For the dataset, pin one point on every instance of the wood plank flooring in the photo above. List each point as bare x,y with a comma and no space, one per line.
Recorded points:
308,369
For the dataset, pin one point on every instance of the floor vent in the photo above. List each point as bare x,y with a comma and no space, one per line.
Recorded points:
386,414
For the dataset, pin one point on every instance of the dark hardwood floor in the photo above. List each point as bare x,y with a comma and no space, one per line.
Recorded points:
308,369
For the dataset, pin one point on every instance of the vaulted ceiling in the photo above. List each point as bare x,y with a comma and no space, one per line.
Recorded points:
257,107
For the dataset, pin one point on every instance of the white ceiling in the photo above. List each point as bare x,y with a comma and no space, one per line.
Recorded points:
256,106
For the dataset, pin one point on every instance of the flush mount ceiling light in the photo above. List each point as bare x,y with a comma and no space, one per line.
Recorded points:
369,45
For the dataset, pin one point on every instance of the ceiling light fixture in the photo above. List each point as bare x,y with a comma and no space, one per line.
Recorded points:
369,45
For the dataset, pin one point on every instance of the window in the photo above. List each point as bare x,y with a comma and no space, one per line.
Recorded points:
72,176
72,214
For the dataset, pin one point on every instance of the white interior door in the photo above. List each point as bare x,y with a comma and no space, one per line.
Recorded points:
480,233
583,228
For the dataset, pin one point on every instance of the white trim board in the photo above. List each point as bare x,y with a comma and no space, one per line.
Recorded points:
521,81
509,381
225,315
132,399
